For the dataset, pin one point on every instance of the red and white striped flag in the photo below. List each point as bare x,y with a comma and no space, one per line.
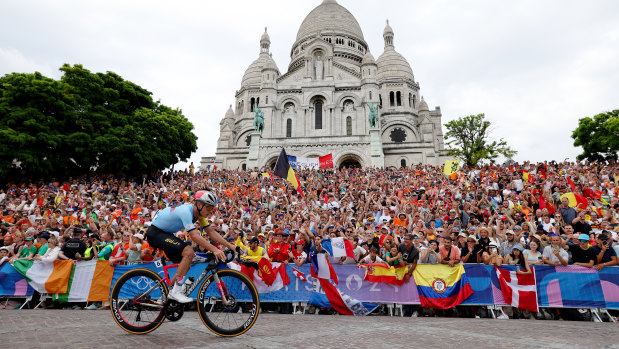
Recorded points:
518,290
299,274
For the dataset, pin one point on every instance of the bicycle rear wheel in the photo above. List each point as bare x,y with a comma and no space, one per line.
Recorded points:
241,312
137,301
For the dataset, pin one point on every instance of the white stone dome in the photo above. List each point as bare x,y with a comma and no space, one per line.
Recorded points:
230,112
392,65
368,59
329,16
253,74
423,106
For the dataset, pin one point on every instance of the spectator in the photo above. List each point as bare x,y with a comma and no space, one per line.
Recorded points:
393,257
532,254
581,254
74,247
508,246
298,256
106,246
27,251
52,251
431,254
580,224
135,249
450,254
554,254
516,256
605,254
279,251
491,255
4,254
372,258
471,252
567,213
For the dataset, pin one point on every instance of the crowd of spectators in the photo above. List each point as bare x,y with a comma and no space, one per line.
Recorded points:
496,214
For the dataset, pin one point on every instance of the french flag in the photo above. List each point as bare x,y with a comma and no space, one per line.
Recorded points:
326,295
518,290
338,247
321,268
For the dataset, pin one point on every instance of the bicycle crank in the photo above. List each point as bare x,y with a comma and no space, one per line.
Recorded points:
174,310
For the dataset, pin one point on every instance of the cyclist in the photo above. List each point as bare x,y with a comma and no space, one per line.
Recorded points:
172,219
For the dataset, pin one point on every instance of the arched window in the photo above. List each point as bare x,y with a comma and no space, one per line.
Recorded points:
253,104
391,99
398,97
402,163
244,167
258,102
318,115
349,126
288,128
380,100
370,95
411,103
267,100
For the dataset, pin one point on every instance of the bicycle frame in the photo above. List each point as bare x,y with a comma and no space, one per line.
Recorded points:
220,286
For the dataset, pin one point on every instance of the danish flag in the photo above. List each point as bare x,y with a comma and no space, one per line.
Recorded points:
299,274
518,290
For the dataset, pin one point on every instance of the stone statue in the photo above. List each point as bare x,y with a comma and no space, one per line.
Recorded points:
373,118
258,120
318,66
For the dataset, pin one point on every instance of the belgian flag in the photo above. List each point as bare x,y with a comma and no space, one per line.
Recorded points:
285,171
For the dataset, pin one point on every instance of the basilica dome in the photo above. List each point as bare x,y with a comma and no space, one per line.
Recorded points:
391,64
329,17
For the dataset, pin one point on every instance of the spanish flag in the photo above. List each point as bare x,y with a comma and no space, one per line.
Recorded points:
441,286
285,171
378,272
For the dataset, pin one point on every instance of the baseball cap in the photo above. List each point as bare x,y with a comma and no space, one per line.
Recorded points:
300,242
583,237
509,231
139,236
255,239
286,232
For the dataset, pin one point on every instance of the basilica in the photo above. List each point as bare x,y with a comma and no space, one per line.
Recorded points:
321,105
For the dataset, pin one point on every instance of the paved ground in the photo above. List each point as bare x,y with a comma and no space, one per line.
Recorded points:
96,329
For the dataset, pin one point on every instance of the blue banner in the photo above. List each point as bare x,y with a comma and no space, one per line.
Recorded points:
292,160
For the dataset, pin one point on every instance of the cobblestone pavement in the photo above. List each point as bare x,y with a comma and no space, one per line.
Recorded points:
96,329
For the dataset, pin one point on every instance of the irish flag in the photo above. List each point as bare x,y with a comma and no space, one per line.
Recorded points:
85,281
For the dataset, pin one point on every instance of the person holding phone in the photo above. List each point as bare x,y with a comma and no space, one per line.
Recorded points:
604,252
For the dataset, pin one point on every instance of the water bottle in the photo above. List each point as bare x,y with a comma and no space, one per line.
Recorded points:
187,284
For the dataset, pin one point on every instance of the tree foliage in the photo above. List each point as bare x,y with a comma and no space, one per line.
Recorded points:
598,137
86,122
469,139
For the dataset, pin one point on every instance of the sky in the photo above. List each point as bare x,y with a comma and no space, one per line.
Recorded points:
533,67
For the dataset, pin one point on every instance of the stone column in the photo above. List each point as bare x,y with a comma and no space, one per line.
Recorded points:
376,149
254,150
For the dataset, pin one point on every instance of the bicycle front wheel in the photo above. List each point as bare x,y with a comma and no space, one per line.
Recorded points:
242,308
137,301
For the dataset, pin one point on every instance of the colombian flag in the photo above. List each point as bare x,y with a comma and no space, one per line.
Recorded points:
441,286
285,171
378,272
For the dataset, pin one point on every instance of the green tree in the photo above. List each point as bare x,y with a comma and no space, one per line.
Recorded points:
86,122
598,137
469,139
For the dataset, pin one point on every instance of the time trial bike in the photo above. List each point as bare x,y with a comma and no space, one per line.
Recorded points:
227,300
